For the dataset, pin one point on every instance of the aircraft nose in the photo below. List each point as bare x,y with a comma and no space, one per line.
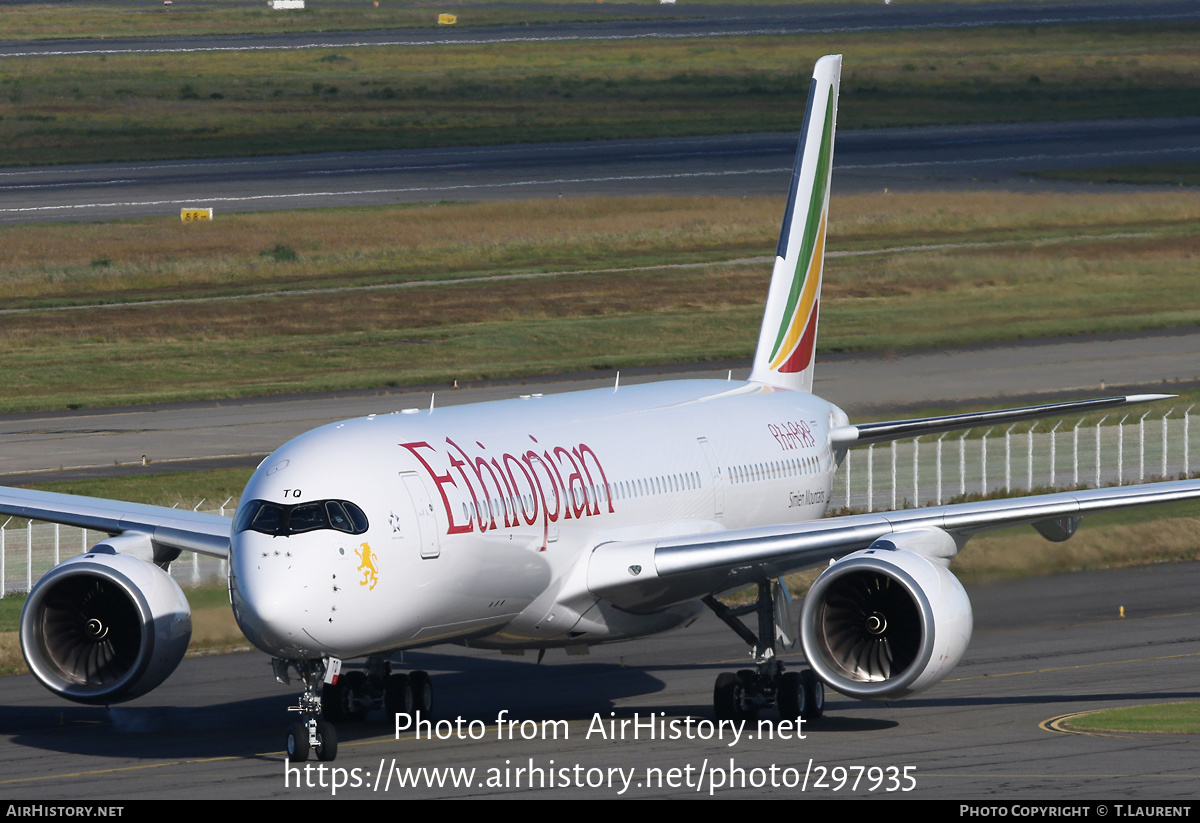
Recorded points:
270,603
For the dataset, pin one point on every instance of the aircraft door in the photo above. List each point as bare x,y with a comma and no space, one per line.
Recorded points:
426,522
717,479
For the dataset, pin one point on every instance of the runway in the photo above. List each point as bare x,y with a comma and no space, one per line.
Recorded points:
1043,648
903,159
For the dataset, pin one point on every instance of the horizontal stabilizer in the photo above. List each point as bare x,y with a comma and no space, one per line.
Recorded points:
866,433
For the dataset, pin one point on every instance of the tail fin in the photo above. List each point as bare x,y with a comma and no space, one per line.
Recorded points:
788,338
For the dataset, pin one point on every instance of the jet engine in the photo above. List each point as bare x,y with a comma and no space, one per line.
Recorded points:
104,627
885,622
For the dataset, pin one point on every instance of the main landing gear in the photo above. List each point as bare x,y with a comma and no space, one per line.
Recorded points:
739,695
350,697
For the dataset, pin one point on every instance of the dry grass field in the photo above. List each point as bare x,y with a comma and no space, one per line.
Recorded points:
139,311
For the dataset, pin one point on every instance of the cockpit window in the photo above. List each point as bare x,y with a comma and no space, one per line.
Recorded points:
280,520
358,518
337,516
307,517
345,516
266,518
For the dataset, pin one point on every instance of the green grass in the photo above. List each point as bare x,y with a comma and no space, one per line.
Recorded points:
1162,718
99,108
1166,174
10,612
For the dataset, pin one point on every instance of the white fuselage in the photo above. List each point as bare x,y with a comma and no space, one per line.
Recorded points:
482,517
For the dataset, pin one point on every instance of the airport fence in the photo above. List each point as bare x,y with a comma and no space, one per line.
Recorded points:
930,471
922,472
29,549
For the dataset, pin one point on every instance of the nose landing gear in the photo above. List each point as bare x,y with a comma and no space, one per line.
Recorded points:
351,696
312,733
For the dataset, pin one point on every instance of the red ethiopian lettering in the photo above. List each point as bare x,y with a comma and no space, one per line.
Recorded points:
440,480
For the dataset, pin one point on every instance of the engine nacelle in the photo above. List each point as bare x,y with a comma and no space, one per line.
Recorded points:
104,628
883,623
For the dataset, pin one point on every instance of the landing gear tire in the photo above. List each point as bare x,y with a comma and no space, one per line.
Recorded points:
347,699
422,692
355,702
398,696
333,702
814,695
791,696
730,698
327,741
739,696
297,742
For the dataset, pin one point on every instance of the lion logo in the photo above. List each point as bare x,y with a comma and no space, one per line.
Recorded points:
367,566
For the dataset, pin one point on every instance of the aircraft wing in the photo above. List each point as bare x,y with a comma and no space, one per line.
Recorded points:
644,576
166,528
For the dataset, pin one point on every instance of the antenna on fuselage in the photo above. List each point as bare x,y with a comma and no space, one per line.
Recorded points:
617,385
431,396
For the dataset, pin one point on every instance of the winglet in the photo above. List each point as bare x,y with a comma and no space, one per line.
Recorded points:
788,338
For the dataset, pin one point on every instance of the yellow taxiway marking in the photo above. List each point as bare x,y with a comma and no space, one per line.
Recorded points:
1057,724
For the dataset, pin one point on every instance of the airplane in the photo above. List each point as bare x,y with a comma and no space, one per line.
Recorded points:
560,522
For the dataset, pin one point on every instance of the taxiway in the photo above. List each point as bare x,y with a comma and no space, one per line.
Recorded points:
1043,648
